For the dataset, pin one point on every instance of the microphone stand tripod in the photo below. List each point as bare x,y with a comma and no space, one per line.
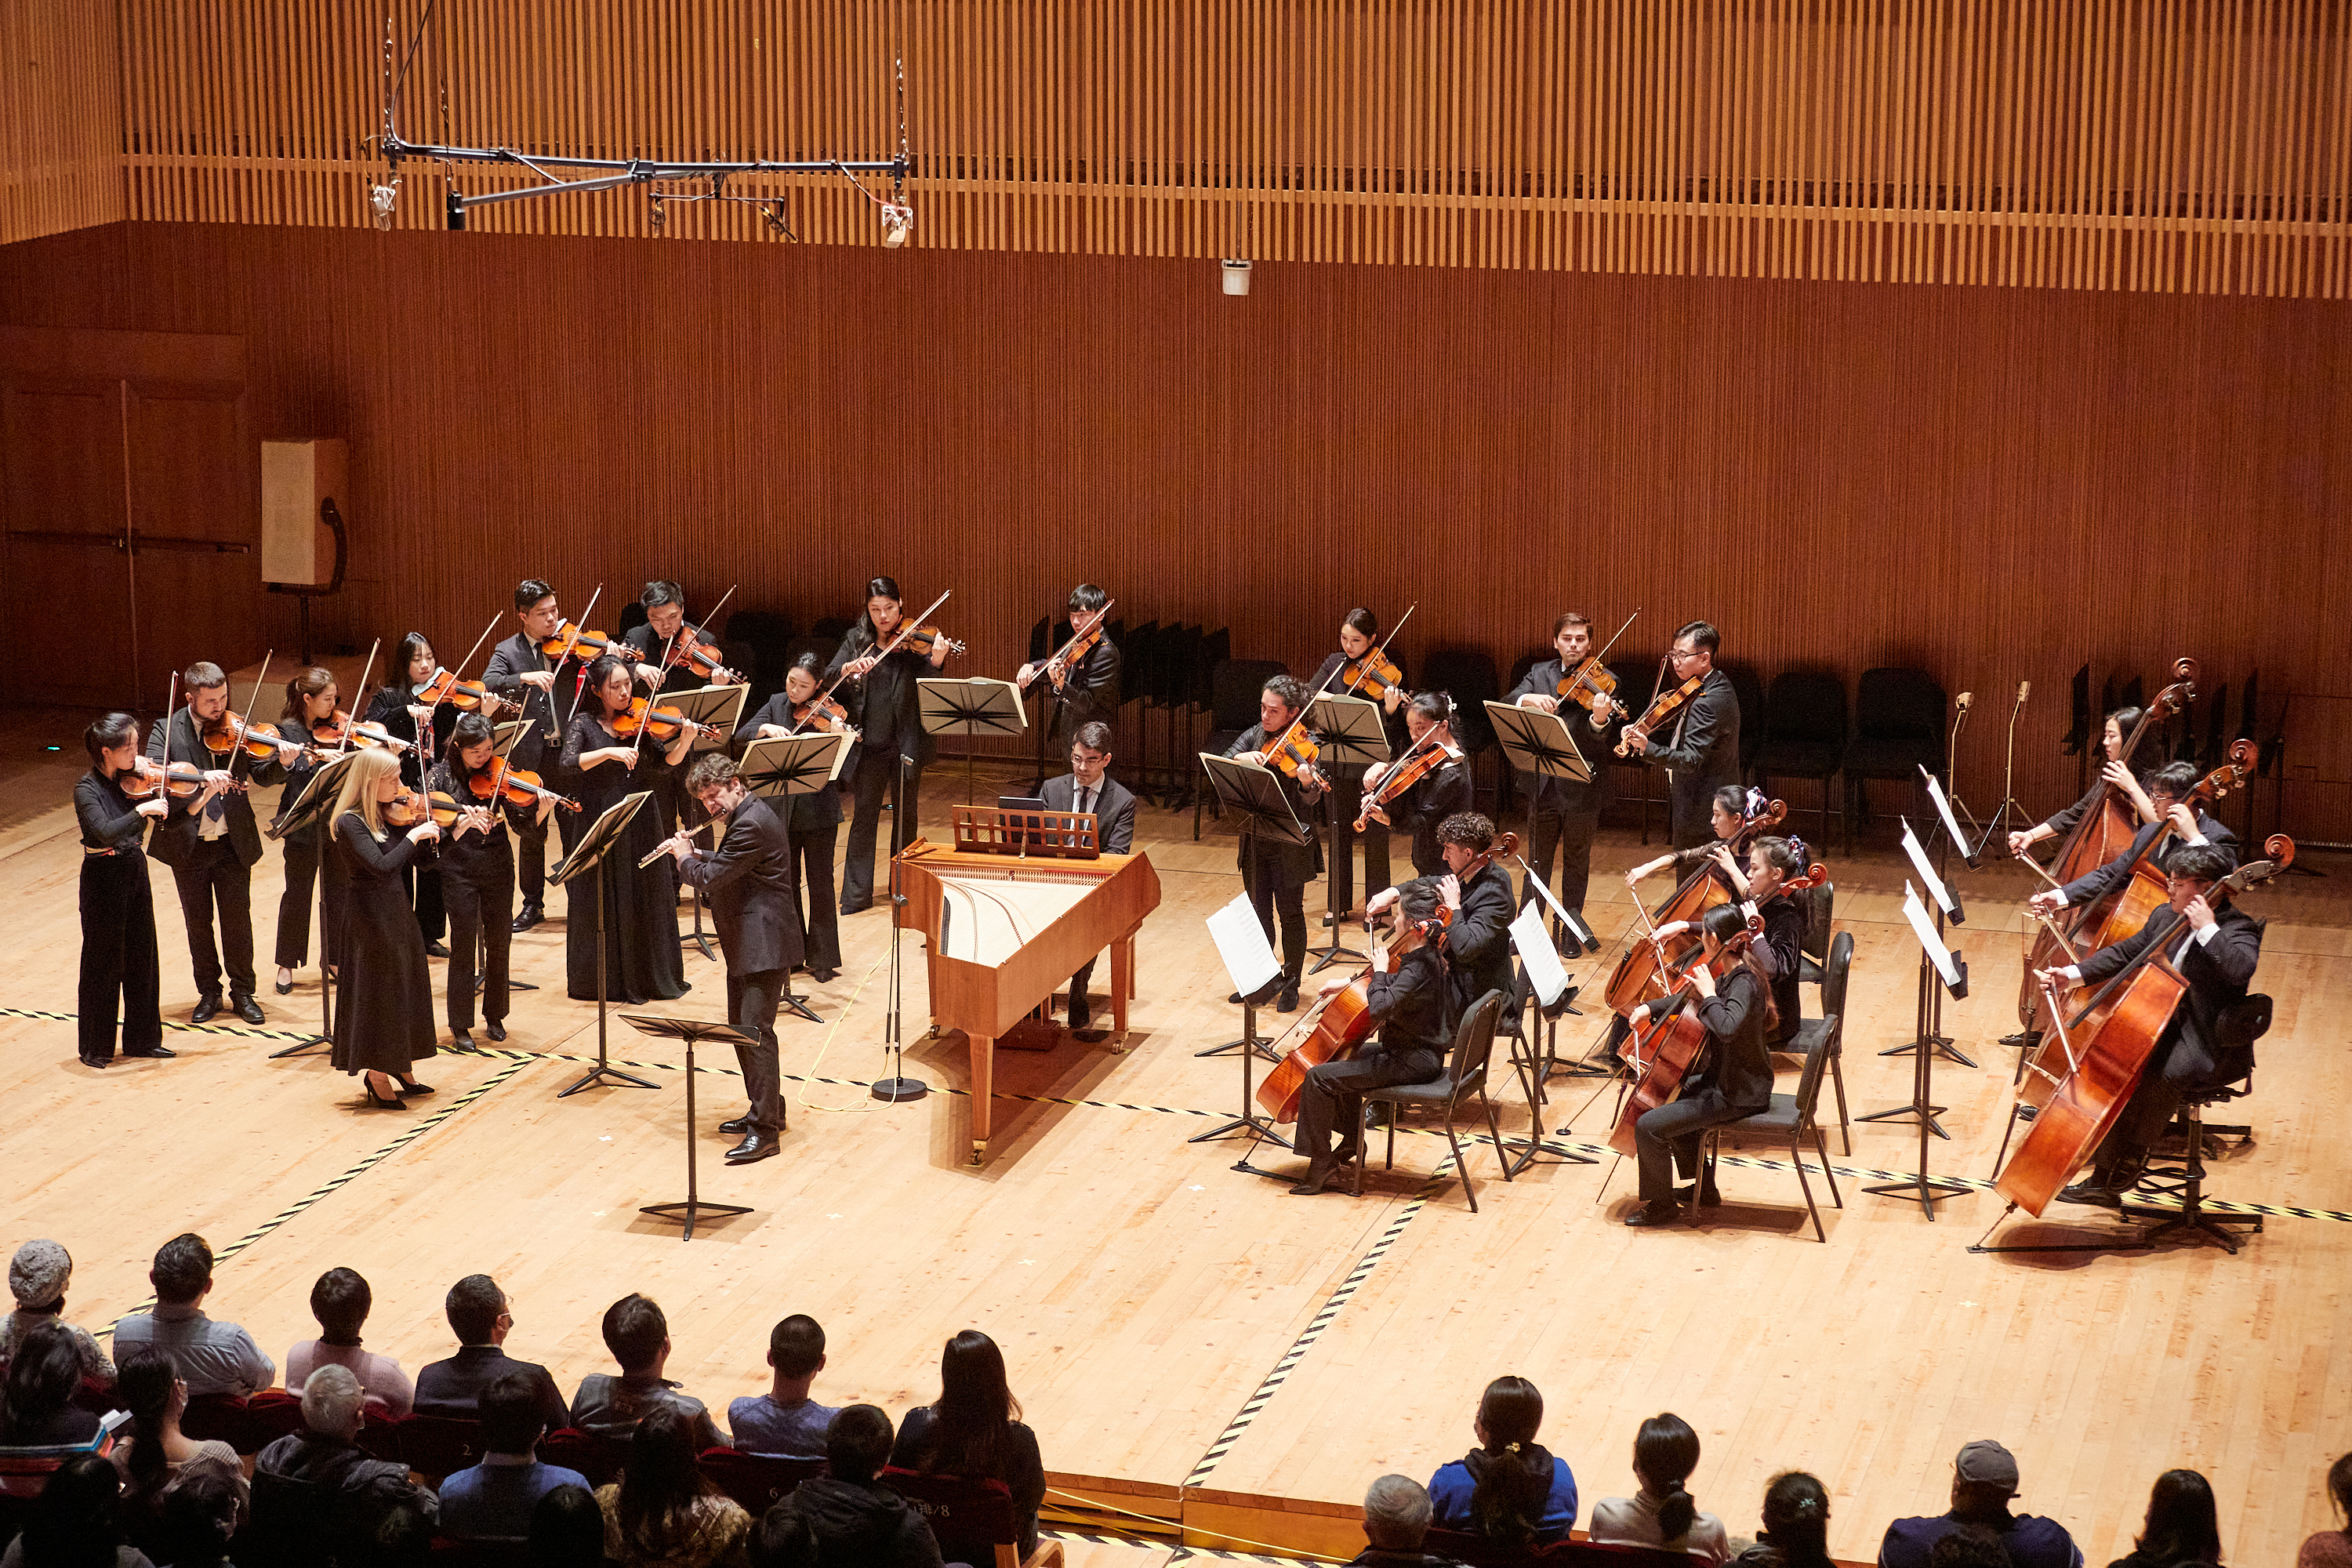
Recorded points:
897,1088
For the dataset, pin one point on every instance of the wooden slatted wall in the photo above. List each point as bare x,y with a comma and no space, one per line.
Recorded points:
2165,145
61,118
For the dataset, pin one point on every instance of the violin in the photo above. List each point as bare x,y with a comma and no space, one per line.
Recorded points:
1295,748
661,723
517,785
1665,1050
181,780
467,696
342,733
1373,676
923,639
569,641
1587,684
414,806
821,713
706,660
1661,708
229,734
1411,769
1082,642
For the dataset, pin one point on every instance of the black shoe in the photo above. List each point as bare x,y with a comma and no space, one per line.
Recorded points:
1658,1211
91,1061
1288,1001
409,1086
283,987
463,1044
436,950
496,1028
1081,1015
153,1053
738,1126
1318,1177
207,1009
824,976
1706,1199
2092,1190
1348,1154
248,1010
756,1145
527,917
381,1104
857,909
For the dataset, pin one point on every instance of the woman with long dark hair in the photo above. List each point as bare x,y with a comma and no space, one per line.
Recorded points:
2182,1529
1360,633
2111,771
881,697
1796,1530
155,1457
975,1429
310,699
1509,1487
1662,1513
640,908
427,728
118,906
77,1521
36,1408
661,1513
2332,1548
383,991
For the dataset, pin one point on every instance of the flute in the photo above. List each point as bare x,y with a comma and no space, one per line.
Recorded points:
690,833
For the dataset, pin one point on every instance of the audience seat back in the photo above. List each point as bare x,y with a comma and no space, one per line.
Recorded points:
435,1446
1477,1552
598,1458
294,1524
215,1418
758,1481
972,1519
268,1415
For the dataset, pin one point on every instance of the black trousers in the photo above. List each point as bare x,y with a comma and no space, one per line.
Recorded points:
1270,897
1346,798
820,918
1670,1136
214,882
306,864
530,860
751,1002
118,955
423,887
878,775
479,913
2177,1065
1569,834
1333,1098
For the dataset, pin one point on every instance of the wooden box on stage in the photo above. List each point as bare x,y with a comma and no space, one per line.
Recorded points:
1009,914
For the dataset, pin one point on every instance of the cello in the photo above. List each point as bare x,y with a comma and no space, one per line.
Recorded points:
2104,1062
1668,1049
1337,1028
1636,979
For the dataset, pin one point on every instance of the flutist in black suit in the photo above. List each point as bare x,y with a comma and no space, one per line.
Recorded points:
1089,786
747,881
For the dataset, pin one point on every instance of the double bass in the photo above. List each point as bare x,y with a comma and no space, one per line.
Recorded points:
1639,974
1667,1049
2104,1049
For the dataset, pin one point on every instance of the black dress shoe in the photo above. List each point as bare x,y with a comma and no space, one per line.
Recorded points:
1081,1015
152,1052
463,1044
1288,1001
409,1086
1234,999
1318,1177
436,950
91,1061
2093,1192
283,987
1706,1199
1658,1211
738,1126
496,1028
857,909
756,1145
248,1010
527,917
823,976
207,1009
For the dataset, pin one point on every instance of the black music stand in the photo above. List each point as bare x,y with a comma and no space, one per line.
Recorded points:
595,843
1541,744
780,767
692,1031
979,706
1549,987
1939,970
1256,972
1252,797
309,807
1351,732
721,707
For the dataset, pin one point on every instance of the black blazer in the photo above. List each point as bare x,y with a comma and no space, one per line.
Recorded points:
540,714
1586,799
2101,880
1479,943
1115,811
176,836
884,703
1738,1074
679,678
1701,748
454,1387
2218,971
1092,691
748,880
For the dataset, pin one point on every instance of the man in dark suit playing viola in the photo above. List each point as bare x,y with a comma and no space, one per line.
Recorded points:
1089,786
747,881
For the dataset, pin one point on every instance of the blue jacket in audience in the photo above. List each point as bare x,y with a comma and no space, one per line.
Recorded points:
795,1431
2032,1541
493,1501
1451,1487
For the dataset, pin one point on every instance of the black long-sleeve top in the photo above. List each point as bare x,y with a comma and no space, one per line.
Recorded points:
390,709
1594,741
1411,1002
477,857
680,676
1479,943
1019,1465
2101,880
2062,823
1734,1018
1092,690
884,702
1428,801
819,807
1783,948
383,859
109,819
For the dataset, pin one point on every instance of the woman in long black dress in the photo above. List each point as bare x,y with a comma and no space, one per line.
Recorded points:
477,881
383,992
885,705
117,908
396,707
641,955
310,699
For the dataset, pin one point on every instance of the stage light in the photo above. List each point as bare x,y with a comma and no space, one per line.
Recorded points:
895,221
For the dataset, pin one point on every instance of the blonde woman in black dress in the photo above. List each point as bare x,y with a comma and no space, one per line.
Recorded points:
383,992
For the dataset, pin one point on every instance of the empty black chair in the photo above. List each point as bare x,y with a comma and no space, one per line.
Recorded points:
1804,734
1827,1032
1466,675
1749,693
1898,729
1233,710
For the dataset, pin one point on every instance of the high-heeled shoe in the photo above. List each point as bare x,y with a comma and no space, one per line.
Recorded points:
381,1104
409,1086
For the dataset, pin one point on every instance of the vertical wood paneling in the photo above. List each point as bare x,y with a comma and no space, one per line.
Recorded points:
60,118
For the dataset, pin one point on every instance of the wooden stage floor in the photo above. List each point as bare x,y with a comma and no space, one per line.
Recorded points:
1192,1341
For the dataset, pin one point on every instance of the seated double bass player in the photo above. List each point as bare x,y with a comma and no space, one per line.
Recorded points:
1407,992
2169,790
2114,771
2216,949
1735,1007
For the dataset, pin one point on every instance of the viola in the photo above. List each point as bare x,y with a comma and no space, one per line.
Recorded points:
1662,707
661,723
1667,1049
706,660
467,696
1404,774
516,785
181,780
1373,676
821,713
1587,684
569,641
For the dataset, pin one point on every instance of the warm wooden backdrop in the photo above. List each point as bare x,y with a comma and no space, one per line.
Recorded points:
1993,484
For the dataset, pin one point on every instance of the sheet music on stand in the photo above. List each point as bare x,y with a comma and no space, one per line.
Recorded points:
1252,796
1257,973
720,707
314,800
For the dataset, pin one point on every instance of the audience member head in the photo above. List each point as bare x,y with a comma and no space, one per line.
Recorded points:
2339,1486
636,1333
477,1307
149,1388
1510,1471
1666,1452
42,1378
403,1538
1984,1478
660,1484
1396,1513
975,1410
183,1271
331,1401
567,1530
38,1277
340,1300
508,1408
1969,1546
1796,1519
857,1443
77,1519
782,1538
796,1350
2181,1524
199,1518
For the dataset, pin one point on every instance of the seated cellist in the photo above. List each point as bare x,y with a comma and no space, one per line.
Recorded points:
1407,992
1734,1080
2169,790
2216,951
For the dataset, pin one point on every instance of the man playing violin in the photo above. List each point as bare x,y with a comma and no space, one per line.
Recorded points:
521,672
1086,690
666,631
1406,992
1732,1003
1567,813
1426,801
1700,751
210,841
1275,873
814,820
2216,949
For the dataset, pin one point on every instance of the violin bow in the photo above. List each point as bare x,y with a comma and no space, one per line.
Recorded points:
1365,666
884,651
245,723
703,631
1621,632
352,725
1092,622
578,681
460,671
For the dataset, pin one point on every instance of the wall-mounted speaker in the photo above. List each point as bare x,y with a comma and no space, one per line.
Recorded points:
298,547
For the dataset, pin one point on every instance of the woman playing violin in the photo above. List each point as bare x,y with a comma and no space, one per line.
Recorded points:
396,706
1567,813
814,820
640,905
310,699
477,878
1733,1001
1277,873
1359,635
880,692
1086,690
1426,801
1698,743
1407,992
118,908
383,989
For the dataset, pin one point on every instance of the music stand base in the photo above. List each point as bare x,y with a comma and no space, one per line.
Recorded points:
690,1210
302,1046
1923,1190
897,1090
596,1076
1943,1049
1930,1113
